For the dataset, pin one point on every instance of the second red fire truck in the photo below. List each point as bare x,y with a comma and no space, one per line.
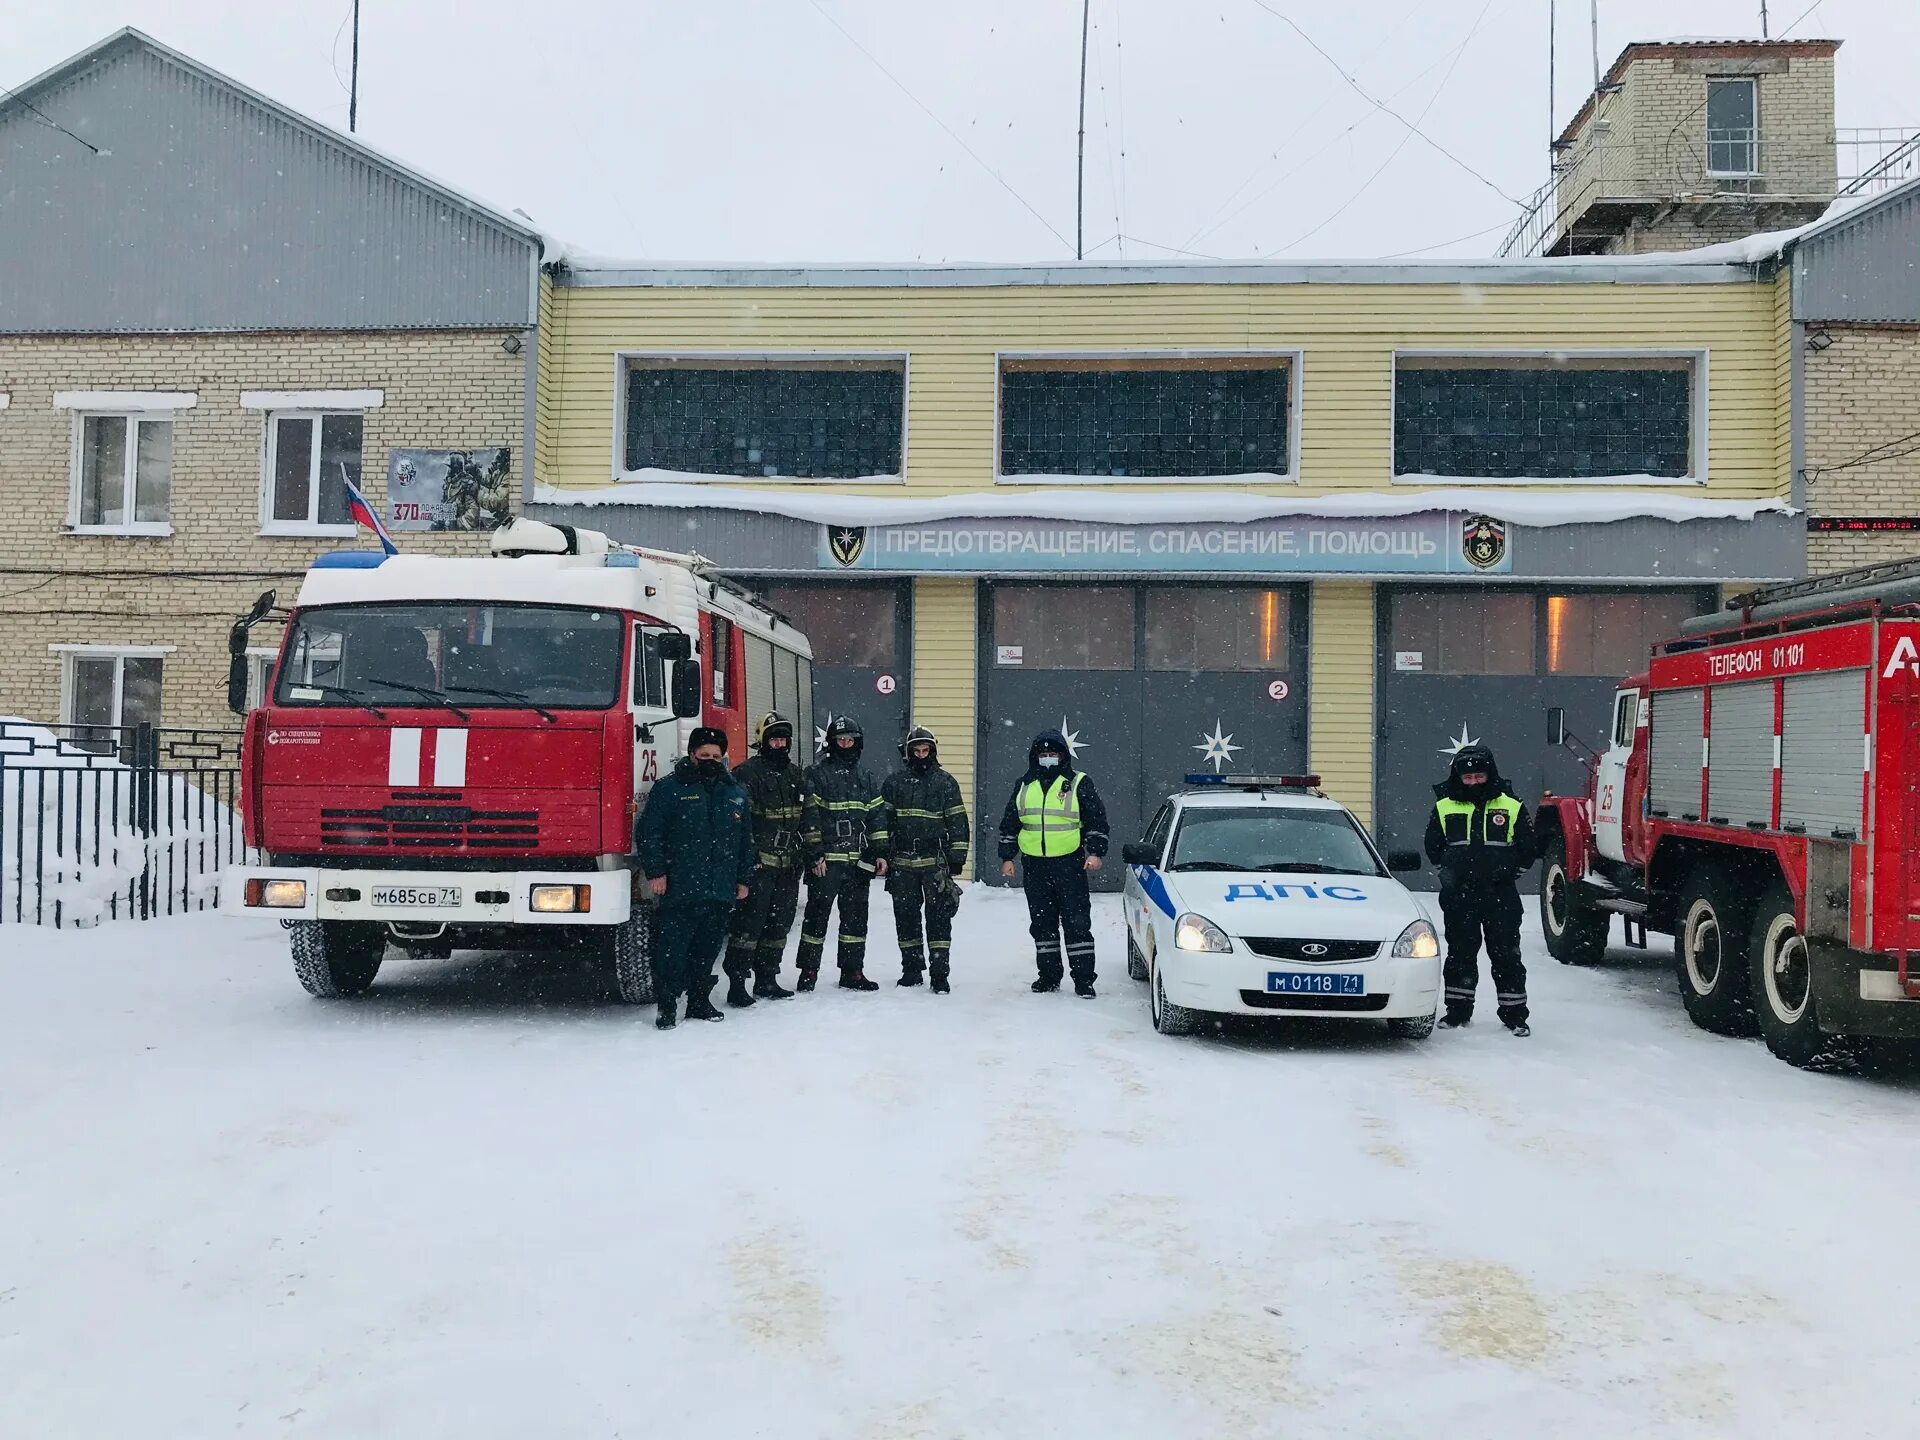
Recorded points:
1756,799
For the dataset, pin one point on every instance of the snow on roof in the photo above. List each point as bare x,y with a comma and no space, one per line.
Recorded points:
1773,244
1186,507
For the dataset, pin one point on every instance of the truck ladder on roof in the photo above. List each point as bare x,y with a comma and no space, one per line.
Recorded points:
1814,586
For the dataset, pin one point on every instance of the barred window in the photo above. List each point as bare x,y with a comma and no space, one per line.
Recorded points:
811,419
1575,418
1146,416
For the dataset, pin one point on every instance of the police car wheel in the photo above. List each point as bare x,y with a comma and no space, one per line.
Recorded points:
1411,1027
1783,999
1710,952
335,959
1169,1018
1136,961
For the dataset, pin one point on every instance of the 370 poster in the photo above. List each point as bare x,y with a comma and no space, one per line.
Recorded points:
449,489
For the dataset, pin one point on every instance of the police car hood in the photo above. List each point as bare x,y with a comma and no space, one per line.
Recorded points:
1289,905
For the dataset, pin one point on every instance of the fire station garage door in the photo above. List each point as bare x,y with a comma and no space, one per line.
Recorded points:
1483,663
860,636
1149,682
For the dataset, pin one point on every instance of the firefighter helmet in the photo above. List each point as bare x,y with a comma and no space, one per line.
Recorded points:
772,723
845,725
920,735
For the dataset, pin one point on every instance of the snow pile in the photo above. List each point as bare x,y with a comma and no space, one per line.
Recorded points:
1101,506
70,849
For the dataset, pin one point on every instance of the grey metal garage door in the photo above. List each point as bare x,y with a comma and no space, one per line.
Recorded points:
1150,682
861,637
1483,662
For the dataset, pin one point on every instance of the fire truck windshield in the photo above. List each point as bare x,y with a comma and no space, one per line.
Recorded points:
479,656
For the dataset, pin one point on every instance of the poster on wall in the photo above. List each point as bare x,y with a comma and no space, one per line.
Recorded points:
450,489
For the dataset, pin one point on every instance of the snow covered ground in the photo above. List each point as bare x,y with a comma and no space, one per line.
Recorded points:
486,1202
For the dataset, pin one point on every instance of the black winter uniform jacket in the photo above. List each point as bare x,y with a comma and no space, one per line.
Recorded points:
927,819
778,795
695,832
1478,865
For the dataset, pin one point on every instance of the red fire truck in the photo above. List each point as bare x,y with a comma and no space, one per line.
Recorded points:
451,752
1756,799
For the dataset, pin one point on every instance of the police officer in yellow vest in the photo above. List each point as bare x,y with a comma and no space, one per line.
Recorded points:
1480,837
1057,825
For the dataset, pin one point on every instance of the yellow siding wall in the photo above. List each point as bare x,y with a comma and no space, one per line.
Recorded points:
1348,334
1340,658
945,629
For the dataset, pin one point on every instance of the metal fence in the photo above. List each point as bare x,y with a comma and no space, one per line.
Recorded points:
105,823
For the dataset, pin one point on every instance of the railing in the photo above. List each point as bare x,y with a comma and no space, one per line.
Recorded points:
1721,165
114,822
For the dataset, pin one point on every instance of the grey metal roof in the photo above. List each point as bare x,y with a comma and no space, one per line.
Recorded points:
1628,270
1862,265
204,205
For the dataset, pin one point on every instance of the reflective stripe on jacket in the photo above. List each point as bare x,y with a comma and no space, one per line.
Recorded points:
1463,823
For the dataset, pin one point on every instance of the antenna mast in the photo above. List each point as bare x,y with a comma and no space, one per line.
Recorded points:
1596,50
1763,21
353,92
1080,167
1553,55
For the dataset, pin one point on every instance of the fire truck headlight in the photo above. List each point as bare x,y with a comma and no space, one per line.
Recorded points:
559,899
277,894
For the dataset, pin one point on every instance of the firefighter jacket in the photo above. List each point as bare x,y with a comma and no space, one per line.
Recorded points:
777,795
696,832
928,820
845,818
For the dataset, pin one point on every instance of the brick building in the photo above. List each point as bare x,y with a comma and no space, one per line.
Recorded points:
214,313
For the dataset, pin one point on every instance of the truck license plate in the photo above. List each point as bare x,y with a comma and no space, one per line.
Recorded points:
417,896
1298,982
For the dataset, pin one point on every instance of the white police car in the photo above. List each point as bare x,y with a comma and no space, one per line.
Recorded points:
1257,895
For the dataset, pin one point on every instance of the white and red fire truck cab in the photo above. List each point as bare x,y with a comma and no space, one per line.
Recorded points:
452,752
1756,799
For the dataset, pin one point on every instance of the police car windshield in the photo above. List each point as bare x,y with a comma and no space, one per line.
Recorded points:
486,656
1271,838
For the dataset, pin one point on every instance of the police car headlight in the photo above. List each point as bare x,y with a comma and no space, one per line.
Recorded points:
1195,932
1417,942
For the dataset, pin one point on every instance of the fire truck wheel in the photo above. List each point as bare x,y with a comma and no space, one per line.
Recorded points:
632,943
1710,952
1576,932
1783,990
336,958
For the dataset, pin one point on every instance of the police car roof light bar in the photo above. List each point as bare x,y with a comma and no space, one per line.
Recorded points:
1204,780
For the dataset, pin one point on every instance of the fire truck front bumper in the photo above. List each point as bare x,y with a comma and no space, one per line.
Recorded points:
428,897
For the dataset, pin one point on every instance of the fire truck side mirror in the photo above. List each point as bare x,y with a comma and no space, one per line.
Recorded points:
686,690
1556,726
673,645
237,678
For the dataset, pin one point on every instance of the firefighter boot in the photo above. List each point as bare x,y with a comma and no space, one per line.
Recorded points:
768,987
666,1019
909,977
737,995
856,979
805,983
700,1006
938,979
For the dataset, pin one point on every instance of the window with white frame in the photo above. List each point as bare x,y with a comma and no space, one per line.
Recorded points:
104,688
1733,126
123,473
259,672
311,458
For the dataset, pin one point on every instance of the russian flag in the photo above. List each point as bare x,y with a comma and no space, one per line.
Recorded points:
363,514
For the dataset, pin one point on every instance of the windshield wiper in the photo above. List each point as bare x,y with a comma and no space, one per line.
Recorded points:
1307,867
358,697
1205,865
433,695
519,696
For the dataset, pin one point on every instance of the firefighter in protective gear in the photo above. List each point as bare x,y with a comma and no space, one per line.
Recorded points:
846,845
776,792
1057,825
927,823
1480,838
695,841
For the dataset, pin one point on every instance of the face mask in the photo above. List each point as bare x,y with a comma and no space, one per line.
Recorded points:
777,757
919,762
1049,762
711,769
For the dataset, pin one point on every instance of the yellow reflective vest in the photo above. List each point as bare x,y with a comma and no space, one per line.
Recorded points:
1050,815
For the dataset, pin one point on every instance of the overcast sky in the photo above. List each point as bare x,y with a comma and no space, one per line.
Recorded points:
770,129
